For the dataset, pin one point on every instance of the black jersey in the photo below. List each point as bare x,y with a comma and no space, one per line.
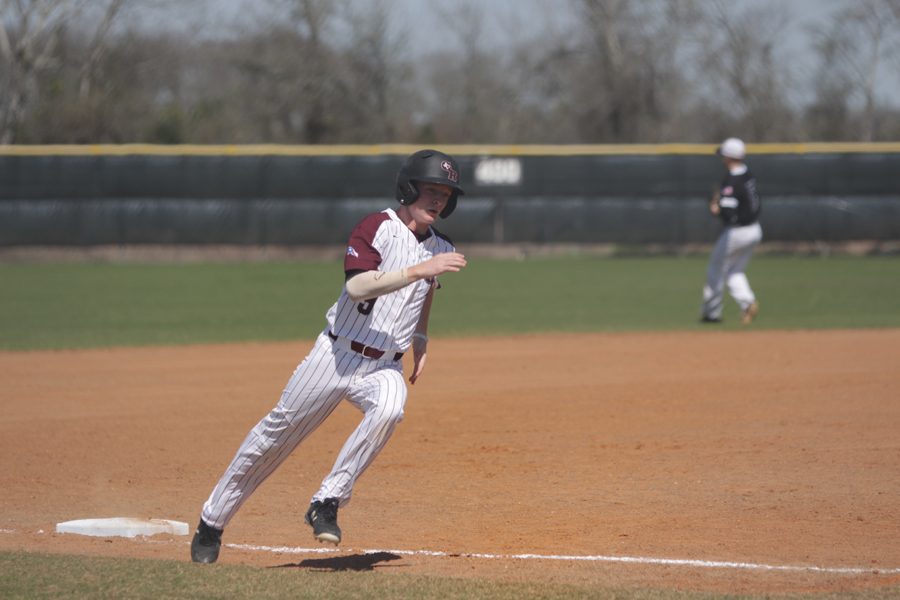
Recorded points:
739,202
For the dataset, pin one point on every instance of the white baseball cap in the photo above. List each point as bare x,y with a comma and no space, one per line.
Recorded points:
732,148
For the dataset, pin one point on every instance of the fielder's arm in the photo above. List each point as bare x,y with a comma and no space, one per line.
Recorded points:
714,202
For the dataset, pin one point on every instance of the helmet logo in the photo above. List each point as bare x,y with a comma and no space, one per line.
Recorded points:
452,175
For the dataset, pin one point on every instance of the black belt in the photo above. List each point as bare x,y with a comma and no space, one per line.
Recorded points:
367,351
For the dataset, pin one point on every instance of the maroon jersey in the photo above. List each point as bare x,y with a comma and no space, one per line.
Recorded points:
383,242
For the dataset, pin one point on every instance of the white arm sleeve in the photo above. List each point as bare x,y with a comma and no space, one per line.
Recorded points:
371,284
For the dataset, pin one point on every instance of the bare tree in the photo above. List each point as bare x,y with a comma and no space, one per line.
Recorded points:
614,78
97,47
377,93
743,70
829,116
28,36
859,44
624,73
275,82
31,35
332,71
310,17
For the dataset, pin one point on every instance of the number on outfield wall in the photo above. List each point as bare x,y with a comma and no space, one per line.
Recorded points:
498,171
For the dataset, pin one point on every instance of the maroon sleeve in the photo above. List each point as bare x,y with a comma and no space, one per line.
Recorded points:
361,253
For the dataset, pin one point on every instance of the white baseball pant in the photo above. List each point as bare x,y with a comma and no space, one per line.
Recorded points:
325,377
727,263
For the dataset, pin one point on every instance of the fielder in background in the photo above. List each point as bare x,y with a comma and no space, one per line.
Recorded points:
737,204
391,267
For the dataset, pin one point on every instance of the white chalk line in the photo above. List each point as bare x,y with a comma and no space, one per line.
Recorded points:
641,560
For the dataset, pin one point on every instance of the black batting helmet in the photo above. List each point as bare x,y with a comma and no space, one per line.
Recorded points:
429,166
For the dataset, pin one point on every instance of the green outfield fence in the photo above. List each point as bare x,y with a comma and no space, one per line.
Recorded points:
313,195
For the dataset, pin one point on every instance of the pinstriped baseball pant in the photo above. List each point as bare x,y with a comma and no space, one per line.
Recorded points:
324,378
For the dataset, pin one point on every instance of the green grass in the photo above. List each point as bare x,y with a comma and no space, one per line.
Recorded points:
626,294
85,305
76,305
33,575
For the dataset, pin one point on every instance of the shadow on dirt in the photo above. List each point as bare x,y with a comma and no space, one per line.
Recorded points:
353,562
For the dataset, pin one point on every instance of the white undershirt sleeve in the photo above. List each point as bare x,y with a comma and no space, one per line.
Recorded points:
371,284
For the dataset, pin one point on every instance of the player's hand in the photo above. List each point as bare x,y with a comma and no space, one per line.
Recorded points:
420,347
447,262
714,203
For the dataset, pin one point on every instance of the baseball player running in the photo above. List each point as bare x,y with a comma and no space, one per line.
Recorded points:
737,204
391,266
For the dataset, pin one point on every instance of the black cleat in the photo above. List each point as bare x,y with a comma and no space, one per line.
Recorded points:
206,543
706,319
323,518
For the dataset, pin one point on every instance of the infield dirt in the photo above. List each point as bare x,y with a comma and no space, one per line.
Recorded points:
762,447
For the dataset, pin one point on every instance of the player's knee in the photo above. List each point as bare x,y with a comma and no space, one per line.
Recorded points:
389,413
394,414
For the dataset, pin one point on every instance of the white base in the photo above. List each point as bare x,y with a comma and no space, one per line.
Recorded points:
122,527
